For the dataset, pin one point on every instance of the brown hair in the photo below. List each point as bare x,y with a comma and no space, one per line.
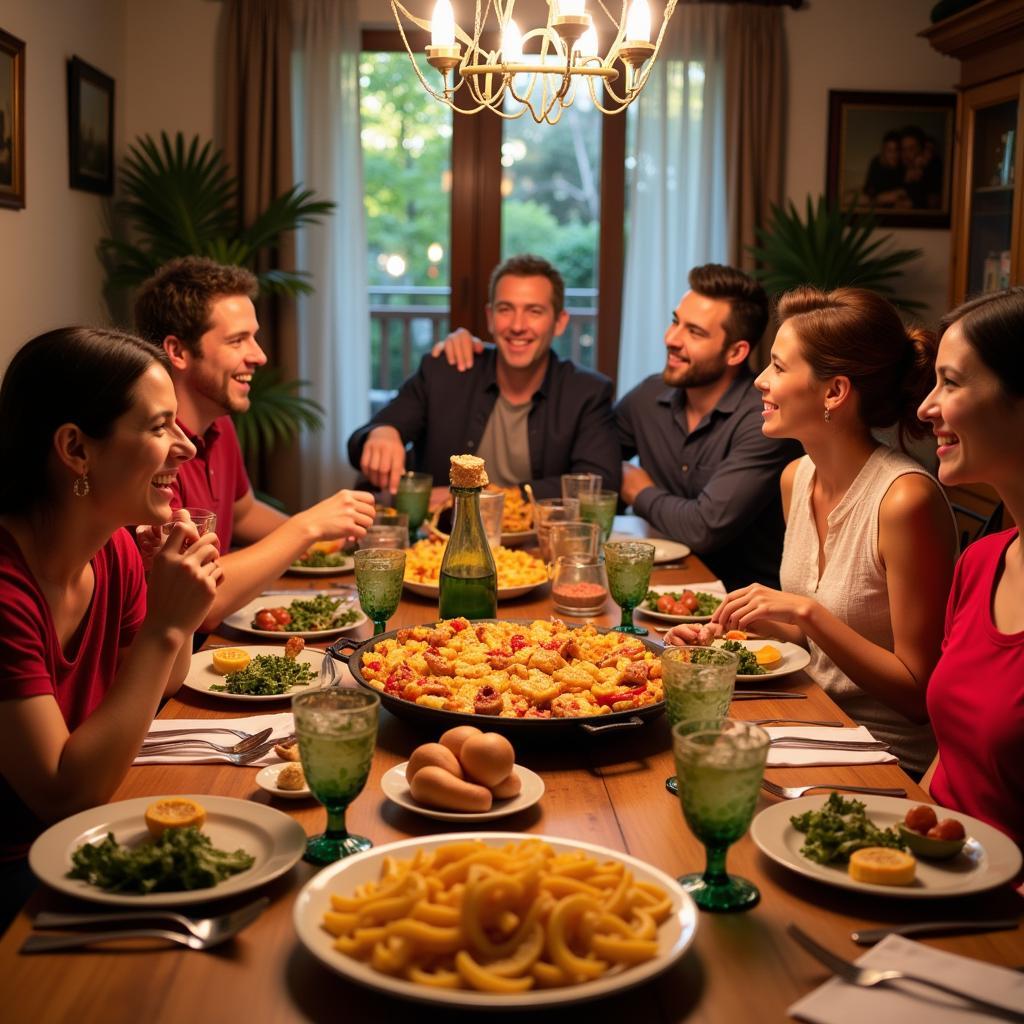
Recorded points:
993,325
855,333
178,298
528,265
748,316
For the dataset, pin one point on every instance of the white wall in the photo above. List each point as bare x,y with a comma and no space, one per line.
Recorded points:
873,45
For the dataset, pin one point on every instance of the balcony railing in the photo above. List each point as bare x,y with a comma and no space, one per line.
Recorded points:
407,320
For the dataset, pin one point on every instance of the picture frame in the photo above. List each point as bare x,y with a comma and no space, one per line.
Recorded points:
90,128
891,154
12,121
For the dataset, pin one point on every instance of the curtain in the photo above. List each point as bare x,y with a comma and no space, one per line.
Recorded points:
677,183
334,321
257,131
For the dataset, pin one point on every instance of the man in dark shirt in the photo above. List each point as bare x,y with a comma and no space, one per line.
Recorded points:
532,416
708,476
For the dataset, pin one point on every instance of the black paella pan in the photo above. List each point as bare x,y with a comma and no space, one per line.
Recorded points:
351,654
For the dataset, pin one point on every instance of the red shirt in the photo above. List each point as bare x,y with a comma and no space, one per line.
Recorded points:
976,699
215,478
78,676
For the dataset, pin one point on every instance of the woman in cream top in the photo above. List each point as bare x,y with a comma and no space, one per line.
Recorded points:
870,540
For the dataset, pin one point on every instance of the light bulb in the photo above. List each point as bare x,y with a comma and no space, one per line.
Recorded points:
638,22
587,46
442,24
511,43
572,7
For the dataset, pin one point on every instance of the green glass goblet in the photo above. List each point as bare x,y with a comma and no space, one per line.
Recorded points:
413,498
628,564
719,765
379,574
699,683
599,507
337,733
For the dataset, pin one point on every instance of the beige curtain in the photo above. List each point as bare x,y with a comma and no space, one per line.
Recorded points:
755,108
257,133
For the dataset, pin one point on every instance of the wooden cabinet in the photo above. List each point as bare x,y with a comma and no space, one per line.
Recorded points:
988,184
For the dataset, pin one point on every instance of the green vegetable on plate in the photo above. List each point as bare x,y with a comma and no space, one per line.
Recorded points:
839,828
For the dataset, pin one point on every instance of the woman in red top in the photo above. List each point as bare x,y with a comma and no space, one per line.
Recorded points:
976,692
88,444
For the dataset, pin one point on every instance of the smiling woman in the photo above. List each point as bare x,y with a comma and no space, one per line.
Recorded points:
87,652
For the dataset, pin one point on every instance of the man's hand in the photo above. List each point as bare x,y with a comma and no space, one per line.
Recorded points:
383,461
343,514
459,348
634,480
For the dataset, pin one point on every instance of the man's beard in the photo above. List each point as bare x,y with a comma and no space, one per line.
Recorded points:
696,375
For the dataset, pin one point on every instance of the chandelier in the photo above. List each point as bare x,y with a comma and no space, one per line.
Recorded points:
538,70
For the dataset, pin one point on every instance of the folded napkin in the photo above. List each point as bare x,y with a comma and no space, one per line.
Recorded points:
796,757
283,725
897,1002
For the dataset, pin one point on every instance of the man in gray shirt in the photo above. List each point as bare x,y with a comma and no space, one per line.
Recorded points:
708,476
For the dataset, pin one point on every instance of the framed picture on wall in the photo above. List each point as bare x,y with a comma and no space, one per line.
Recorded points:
891,153
90,127
12,121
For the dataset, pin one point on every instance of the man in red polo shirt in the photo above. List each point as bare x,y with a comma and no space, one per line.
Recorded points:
201,313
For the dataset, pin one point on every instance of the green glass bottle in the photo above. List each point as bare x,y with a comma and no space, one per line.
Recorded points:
469,579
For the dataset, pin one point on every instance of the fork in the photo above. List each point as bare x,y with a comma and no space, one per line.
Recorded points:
792,792
808,743
868,977
241,747
245,758
219,930
158,736
832,722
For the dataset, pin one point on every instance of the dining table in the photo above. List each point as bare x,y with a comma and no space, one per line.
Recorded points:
606,789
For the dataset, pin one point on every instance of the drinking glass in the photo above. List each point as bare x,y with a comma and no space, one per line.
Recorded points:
719,765
379,573
396,536
337,732
698,682
573,540
413,499
552,510
492,509
390,517
203,519
578,586
629,564
600,508
580,485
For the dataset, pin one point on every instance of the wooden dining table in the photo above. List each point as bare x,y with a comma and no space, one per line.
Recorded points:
607,789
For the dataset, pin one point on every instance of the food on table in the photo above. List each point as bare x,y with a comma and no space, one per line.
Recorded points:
929,837
230,659
179,857
454,738
291,777
682,602
508,787
566,918
517,516
268,675
487,758
921,818
767,655
305,616
735,634
583,595
288,750
839,828
432,754
464,771
882,865
175,812
748,658
540,670
325,554
294,647
515,568
434,786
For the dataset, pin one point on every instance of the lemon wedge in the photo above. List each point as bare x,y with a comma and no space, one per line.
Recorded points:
173,812
230,659
882,866
735,634
768,655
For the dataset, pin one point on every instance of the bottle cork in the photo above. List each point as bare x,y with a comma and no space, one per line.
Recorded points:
467,471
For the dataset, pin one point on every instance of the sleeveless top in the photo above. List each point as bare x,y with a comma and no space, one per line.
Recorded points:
852,587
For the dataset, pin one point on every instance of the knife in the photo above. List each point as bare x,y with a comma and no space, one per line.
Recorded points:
815,744
869,936
767,695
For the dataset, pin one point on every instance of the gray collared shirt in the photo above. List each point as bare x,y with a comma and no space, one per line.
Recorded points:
717,487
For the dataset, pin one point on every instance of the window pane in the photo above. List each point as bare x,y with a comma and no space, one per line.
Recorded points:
551,199
406,137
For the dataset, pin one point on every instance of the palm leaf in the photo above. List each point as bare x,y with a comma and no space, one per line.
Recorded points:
277,412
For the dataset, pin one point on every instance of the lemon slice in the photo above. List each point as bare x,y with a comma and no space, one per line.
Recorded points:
768,655
174,812
230,659
882,866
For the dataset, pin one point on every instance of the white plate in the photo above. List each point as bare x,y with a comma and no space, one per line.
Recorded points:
504,593
274,839
266,778
242,619
518,537
674,935
347,565
988,859
794,658
201,675
665,550
396,788
676,588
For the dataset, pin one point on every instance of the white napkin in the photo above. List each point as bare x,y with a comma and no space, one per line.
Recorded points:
283,725
837,1002
797,757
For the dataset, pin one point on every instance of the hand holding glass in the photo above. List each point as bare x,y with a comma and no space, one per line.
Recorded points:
628,564
379,574
202,519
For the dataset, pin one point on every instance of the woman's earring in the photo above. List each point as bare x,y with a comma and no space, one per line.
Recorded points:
828,415
81,486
